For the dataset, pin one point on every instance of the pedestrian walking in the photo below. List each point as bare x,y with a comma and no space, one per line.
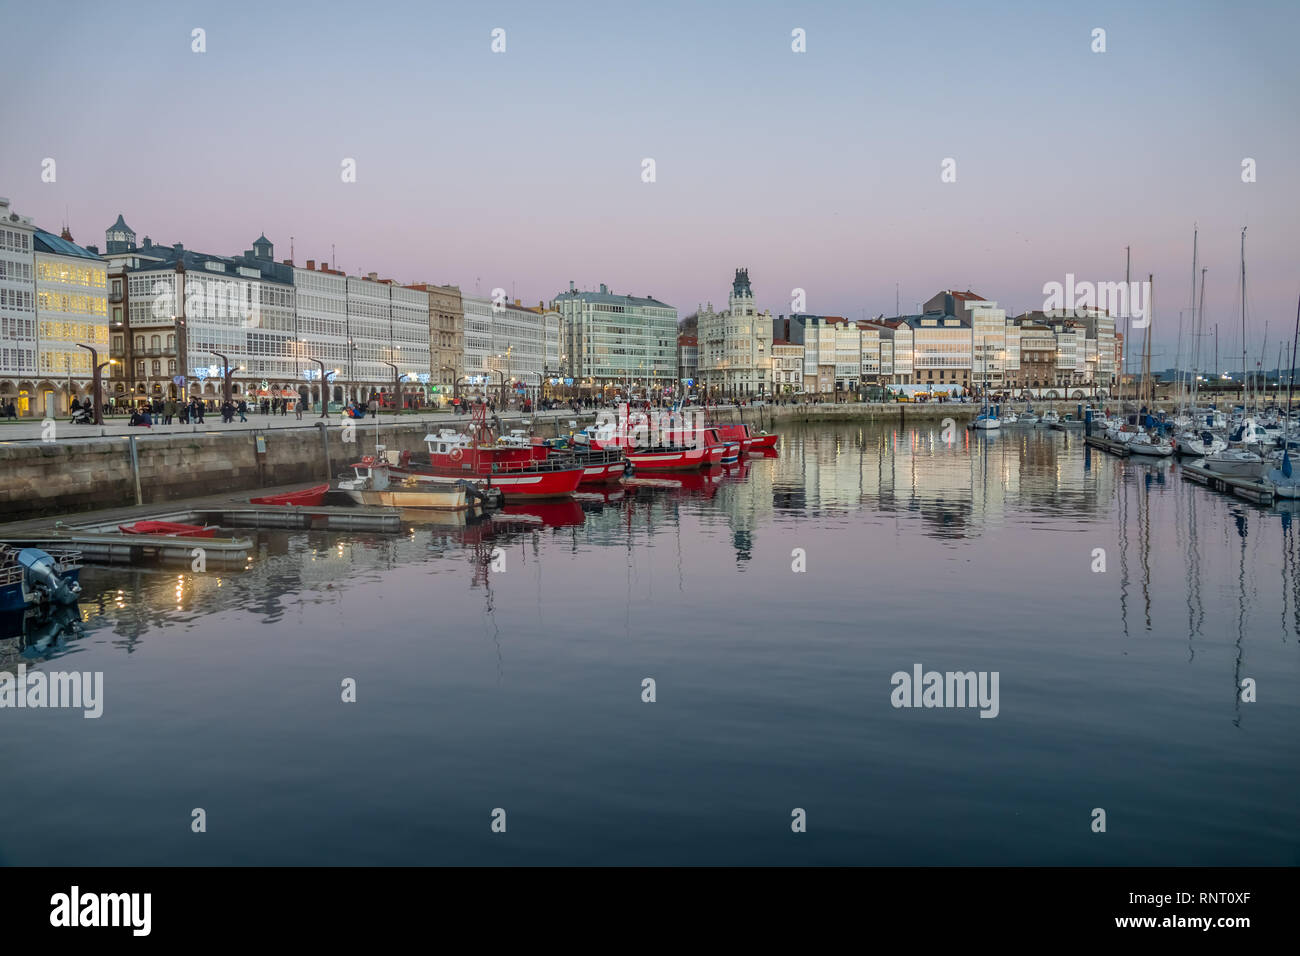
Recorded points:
243,409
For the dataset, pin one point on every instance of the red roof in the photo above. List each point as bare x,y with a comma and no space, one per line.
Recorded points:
687,340
780,341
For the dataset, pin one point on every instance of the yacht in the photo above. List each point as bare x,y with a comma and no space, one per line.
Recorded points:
1198,444
1050,417
1235,463
1145,443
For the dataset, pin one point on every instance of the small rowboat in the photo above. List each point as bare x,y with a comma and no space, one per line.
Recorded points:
173,528
308,496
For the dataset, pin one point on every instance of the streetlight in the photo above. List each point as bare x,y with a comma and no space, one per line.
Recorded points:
352,351
397,387
226,372
98,386
455,379
324,404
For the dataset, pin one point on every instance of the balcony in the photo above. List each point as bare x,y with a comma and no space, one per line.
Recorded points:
115,297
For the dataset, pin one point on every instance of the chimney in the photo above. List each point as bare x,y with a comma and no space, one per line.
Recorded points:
603,290
372,276
517,303
288,262
177,247
311,265
571,289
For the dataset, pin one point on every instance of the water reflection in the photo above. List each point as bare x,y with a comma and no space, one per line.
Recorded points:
979,486
504,656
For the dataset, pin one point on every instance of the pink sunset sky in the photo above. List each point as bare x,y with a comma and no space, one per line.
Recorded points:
817,170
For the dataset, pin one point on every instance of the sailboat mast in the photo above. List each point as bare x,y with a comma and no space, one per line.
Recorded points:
1128,319
1291,385
1189,387
1243,320
1196,372
1147,391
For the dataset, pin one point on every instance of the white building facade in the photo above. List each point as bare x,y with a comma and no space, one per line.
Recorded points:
618,344
18,343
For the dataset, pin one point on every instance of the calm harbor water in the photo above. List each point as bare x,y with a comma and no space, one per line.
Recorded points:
516,683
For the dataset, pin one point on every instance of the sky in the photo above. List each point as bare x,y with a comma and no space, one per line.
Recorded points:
818,170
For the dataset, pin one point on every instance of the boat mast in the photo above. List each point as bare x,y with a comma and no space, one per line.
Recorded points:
1148,393
1243,320
1196,372
1187,391
1128,319
1291,385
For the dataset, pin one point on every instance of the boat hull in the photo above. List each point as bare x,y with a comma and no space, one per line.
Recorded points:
170,528
677,459
1235,467
452,499
513,485
604,473
308,496
1149,449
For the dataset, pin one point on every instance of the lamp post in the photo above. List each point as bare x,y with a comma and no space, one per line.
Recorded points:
324,403
538,400
455,379
226,372
397,388
98,380
503,384
352,351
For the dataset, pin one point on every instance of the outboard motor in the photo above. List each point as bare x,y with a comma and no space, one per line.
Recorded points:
42,575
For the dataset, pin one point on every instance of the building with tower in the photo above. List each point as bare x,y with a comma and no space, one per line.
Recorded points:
735,345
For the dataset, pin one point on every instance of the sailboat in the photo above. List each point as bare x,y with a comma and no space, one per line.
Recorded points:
987,419
1238,462
1139,439
1285,483
1193,439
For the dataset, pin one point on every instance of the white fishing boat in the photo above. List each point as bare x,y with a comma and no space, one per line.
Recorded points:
1011,418
373,485
1027,417
1050,417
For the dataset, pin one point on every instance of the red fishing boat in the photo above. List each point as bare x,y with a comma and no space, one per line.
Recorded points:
515,470
669,458
308,496
650,446
172,528
748,440
599,465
